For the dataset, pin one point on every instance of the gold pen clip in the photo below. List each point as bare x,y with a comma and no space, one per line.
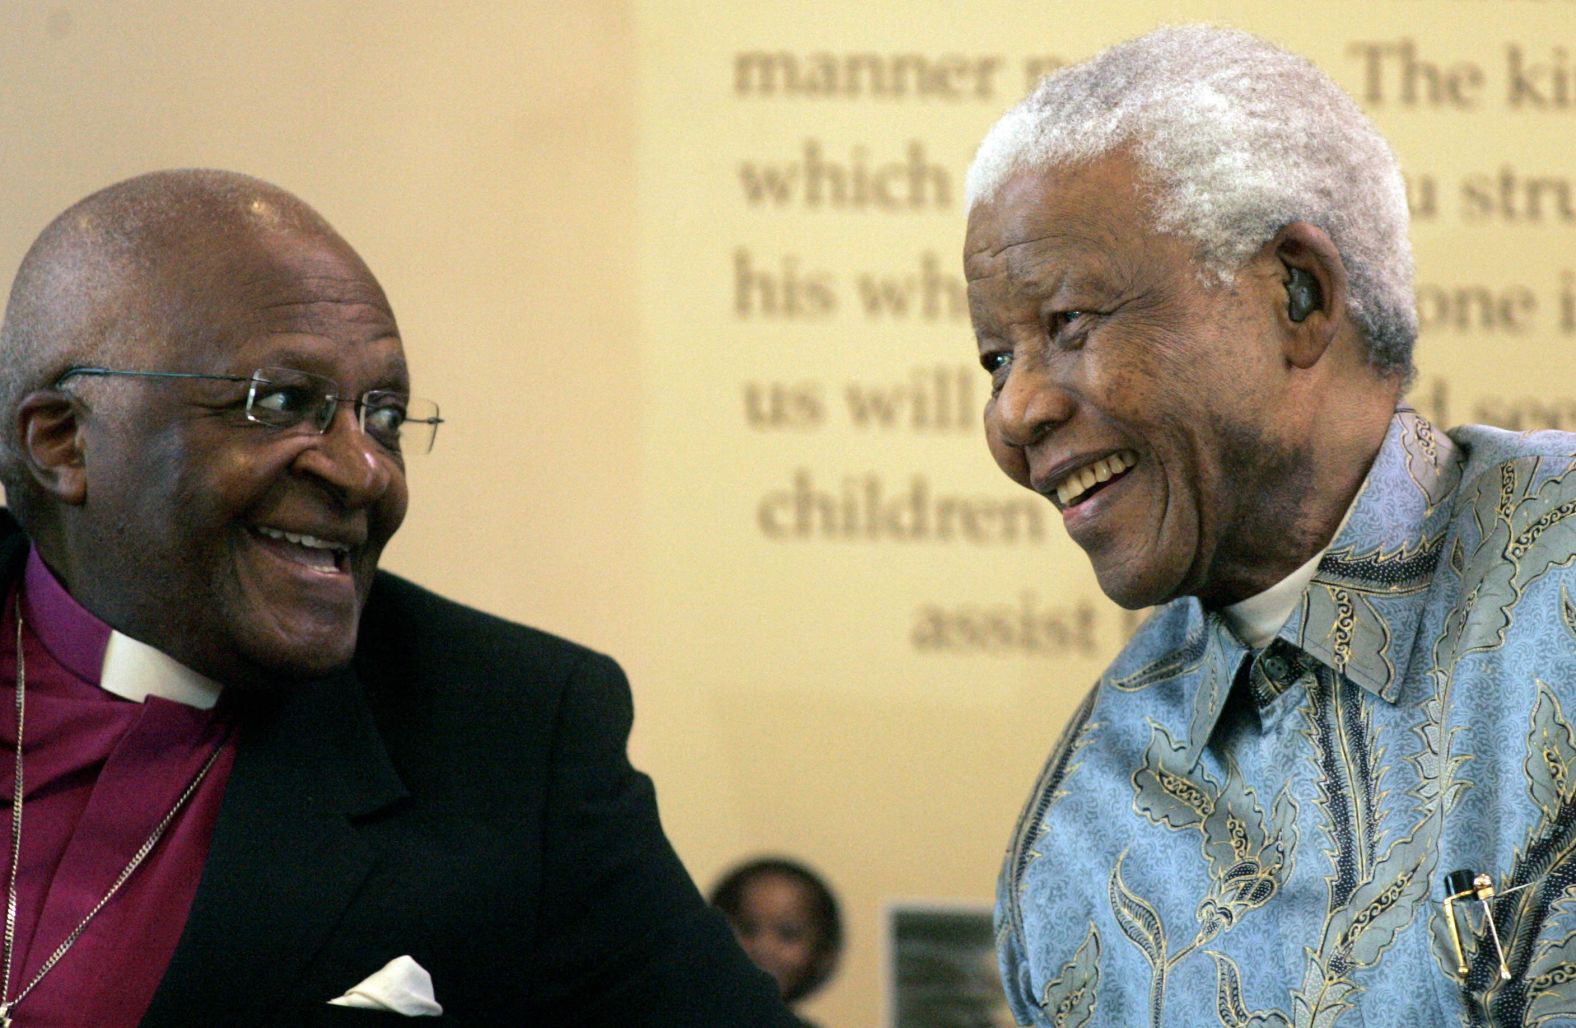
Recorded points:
1465,885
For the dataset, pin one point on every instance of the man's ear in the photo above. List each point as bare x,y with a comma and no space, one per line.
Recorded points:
50,432
1313,297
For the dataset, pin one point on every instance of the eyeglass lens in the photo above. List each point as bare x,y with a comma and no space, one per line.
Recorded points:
285,397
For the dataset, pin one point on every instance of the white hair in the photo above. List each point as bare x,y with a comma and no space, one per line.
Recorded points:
1237,138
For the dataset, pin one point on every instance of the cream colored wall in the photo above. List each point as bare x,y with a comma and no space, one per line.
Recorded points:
550,194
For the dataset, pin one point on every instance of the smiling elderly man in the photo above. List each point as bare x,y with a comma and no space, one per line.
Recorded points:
258,781
1332,778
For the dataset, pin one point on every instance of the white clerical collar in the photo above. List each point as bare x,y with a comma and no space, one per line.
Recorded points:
1258,619
134,671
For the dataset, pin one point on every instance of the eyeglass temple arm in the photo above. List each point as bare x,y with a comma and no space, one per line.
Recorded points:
87,370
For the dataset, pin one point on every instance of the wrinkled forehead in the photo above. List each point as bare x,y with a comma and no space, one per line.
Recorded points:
1079,233
224,291
1097,205
295,276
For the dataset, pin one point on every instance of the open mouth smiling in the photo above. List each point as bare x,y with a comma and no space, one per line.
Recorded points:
325,555
1081,483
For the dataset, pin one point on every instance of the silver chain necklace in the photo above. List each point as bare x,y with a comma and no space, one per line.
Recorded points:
8,1007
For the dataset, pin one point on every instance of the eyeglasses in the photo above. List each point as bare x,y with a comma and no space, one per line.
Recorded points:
286,398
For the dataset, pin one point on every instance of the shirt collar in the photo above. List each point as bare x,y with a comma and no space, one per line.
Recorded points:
1361,612
99,655
1362,608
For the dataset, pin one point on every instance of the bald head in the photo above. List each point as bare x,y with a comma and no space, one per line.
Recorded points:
125,276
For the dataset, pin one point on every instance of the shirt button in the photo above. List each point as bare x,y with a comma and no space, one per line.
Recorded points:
1275,667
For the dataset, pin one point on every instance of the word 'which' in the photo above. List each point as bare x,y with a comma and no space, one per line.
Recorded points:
813,180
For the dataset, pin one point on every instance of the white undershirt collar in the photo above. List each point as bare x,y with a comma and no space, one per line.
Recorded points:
1258,619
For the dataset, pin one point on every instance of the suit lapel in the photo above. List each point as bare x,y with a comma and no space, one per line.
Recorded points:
286,857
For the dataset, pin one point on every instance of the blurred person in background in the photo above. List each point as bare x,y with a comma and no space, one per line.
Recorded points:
787,920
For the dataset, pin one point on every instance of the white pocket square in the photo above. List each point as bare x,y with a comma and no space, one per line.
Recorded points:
402,986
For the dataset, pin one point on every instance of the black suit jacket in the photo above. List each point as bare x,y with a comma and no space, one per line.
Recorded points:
461,795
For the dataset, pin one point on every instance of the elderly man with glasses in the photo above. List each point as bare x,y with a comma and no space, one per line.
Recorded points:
255,780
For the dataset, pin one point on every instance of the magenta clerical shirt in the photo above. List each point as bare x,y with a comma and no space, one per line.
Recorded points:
100,772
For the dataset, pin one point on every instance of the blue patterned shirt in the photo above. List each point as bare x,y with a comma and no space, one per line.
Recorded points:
1243,837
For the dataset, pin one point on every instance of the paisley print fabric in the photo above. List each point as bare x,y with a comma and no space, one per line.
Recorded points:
1262,837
